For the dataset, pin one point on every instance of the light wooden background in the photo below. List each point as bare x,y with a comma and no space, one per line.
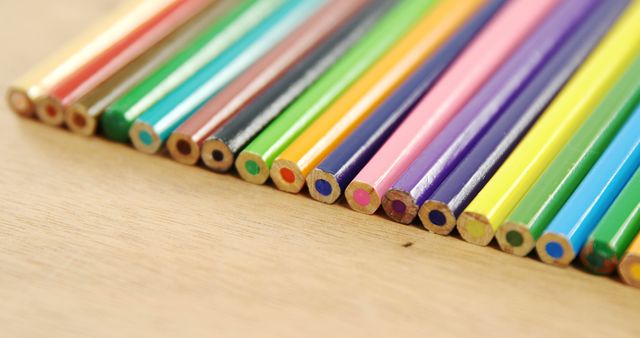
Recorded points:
97,240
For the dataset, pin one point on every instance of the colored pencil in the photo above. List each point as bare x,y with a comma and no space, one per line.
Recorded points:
185,142
220,149
153,127
439,213
551,132
462,80
629,268
327,181
119,117
570,228
615,231
290,169
441,156
37,82
103,66
541,203
254,162
82,116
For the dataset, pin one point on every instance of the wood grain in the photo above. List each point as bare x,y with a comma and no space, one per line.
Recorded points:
98,240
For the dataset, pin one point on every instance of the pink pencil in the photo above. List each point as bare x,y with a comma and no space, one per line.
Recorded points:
499,39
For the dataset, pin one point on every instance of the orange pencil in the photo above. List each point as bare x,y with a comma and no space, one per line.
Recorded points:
290,169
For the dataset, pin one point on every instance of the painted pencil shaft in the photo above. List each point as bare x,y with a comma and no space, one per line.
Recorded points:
455,140
551,132
103,66
629,268
82,116
615,231
221,148
439,213
185,142
346,114
118,118
327,182
37,82
570,228
152,128
254,162
462,80
541,203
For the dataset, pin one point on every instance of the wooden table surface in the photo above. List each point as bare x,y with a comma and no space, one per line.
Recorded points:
98,240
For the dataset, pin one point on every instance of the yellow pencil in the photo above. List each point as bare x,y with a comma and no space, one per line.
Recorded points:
629,268
38,81
290,169
480,220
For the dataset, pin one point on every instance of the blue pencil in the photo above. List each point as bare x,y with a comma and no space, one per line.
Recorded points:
327,182
569,230
155,125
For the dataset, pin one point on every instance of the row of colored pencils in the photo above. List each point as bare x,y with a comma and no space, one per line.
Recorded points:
508,119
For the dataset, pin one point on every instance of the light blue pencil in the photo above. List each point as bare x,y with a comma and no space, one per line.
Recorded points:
571,227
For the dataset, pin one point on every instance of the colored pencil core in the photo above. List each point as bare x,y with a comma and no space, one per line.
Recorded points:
475,228
217,155
437,218
362,197
323,187
145,137
252,167
635,271
514,238
554,249
287,175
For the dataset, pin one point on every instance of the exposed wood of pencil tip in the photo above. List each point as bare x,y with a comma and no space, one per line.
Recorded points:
437,217
251,161
568,254
287,176
183,149
78,120
19,101
315,176
475,228
400,206
50,110
141,130
598,263
217,156
629,269
511,229
360,187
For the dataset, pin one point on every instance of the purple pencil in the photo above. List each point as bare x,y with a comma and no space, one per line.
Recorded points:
439,212
437,160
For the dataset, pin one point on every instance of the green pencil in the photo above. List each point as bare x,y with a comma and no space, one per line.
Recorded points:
527,222
118,118
254,162
615,231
